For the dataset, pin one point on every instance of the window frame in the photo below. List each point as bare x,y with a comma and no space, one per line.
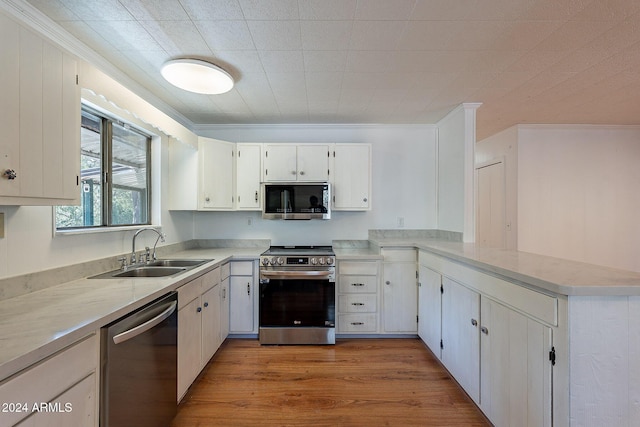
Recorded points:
106,180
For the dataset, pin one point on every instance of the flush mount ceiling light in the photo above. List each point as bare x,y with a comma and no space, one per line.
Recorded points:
197,76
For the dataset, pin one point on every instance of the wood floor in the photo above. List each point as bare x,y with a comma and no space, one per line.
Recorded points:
357,382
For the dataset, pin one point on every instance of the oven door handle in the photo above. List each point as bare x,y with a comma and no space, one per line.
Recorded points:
294,274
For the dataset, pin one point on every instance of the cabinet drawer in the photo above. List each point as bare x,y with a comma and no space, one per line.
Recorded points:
357,284
361,268
241,268
189,292
210,279
225,270
399,255
49,379
365,303
357,322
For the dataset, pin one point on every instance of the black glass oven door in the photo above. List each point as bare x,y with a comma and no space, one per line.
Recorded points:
297,302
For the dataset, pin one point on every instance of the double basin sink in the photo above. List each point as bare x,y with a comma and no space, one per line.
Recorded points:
158,268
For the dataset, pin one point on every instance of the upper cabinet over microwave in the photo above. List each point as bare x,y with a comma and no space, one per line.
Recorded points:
291,162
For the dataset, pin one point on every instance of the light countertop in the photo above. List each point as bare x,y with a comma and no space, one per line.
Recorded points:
36,325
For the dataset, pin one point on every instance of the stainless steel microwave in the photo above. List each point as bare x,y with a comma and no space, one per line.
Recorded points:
296,200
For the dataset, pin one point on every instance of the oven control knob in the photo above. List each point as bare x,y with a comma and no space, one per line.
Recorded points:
314,261
273,261
280,260
321,261
329,260
265,261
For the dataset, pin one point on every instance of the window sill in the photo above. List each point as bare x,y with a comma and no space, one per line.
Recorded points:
97,230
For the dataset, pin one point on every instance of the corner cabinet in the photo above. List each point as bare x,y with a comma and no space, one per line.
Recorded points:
494,337
39,118
351,177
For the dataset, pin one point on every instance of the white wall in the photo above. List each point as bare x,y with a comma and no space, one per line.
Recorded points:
404,183
579,193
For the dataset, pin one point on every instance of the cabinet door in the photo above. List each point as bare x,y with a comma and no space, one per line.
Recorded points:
248,158
9,104
210,323
279,162
216,174
515,367
461,335
224,309
241,304
400,298
313,163
189,345
351,177
429,308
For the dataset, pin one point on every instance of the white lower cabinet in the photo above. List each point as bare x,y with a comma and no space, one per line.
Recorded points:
515,368
63,386
494,337
429,308
461,335
224,301
198,326
243,302
357,297
399,291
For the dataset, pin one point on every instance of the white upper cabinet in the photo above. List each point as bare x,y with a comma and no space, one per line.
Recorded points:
248,158
216,174
351,177
40,120
290,162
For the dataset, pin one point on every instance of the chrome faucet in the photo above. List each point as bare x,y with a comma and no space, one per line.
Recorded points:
133,243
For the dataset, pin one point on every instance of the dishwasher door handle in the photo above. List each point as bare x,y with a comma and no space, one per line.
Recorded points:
134,332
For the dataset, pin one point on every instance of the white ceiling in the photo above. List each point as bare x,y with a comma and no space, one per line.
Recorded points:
377,61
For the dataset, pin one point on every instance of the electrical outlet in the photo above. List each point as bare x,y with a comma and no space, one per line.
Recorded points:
249,221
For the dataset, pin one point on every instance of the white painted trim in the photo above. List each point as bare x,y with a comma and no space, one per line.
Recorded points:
469,233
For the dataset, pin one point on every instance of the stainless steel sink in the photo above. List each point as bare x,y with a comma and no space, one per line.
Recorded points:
178,262
158,268
150,272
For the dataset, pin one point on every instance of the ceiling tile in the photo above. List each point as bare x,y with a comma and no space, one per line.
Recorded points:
610,10
243,61
426,35
282,61
574,35
381,10
269,9
98,10
226,35
55,9
276,35
212,10
177,38
325,35
126,35
324,60
327,9
443,10
161,10
376,35
368,61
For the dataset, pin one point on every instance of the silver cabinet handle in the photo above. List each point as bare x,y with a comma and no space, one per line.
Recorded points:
134,332
357,284
10,174
248,288
474,322
256,196
484,330
387,282
357,323
199,309
364,200
357,303
301,172
206,304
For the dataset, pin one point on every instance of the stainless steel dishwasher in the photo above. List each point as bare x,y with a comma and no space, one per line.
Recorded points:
139,360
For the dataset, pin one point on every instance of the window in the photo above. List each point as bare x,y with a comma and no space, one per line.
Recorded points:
115,176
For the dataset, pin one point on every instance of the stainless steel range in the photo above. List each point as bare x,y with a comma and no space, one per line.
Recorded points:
297,295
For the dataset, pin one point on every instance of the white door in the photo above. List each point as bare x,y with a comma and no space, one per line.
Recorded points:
515,368
241,304
352,177
279,163
491,223
461,335
313,162
248,157
429,308
400,298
